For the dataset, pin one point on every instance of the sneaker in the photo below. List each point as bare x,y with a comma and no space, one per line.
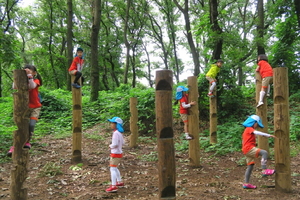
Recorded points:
268,94
210,95
188,137
11,150
112,188
268,172
27,145
120,184
260,104
75,85
249,186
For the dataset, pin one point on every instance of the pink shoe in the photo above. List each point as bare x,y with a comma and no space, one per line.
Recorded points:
11,150
268,172
27,145
120,184
249,186
112,188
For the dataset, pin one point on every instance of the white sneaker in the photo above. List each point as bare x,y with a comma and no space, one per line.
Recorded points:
268,94
188,137
260,104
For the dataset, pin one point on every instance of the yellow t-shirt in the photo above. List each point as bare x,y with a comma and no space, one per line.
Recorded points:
213,71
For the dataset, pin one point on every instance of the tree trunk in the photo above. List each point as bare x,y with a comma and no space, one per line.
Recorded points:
94,50
69,41
297,8
217,51
127,44
260,27
194,51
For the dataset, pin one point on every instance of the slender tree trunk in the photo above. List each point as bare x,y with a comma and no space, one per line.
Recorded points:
217,51
94,50
69,41
297,8
127,44
260,27
193,49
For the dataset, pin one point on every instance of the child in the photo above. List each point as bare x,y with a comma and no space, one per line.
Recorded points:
251,151
266,72
34,81
211,76
116,153
76,67
182,97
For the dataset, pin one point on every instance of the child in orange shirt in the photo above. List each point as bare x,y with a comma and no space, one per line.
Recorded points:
251,151
76,67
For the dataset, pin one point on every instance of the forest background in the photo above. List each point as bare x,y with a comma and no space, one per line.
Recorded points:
124,42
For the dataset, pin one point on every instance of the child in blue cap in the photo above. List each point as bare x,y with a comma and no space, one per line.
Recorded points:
116,153
251,151
182,97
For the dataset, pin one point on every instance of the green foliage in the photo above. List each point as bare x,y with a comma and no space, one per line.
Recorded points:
50,169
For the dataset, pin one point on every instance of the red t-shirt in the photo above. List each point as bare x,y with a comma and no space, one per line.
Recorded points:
265,69
34,100
249,140
76,62
183,110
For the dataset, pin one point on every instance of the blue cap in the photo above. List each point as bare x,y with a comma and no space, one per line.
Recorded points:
119,123
179,91
252,120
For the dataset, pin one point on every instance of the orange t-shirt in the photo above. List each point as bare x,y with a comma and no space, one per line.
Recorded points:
183,110
34,100
265,69
249,140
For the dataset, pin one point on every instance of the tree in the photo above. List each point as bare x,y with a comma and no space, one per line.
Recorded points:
69,40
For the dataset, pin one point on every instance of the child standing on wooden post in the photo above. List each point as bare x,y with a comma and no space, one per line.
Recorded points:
211,76
266,72
116,153
251,151
182,97
76,67
34,82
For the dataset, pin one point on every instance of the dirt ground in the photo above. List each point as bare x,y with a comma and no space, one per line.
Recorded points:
219,177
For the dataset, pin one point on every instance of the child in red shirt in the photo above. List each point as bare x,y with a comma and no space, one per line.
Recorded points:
76,67
266,72
182,97
34,81
251,151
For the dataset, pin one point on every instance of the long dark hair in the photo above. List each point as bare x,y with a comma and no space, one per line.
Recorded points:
33,68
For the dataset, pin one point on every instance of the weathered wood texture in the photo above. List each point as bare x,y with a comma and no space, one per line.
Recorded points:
133,122
213,119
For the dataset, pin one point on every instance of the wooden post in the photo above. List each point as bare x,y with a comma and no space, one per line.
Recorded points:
213,120
165,134
193,122
20,155
77,124
133,122
282,130
263,142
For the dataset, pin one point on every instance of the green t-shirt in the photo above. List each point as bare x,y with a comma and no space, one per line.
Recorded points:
213,71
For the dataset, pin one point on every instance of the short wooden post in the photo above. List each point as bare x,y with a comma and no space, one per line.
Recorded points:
165,134
193,122
133,122
263,142
20,155
213,119
77,124
282,130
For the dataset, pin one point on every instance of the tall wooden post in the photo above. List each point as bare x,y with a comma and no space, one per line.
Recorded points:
193,122
213,119
20,155
282,130
77,124
263,142
133,122
165,134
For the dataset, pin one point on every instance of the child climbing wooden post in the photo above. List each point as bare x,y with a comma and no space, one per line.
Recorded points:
20,155
213,119
77,123
164,130
282,130
193,123
263,142
133,122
